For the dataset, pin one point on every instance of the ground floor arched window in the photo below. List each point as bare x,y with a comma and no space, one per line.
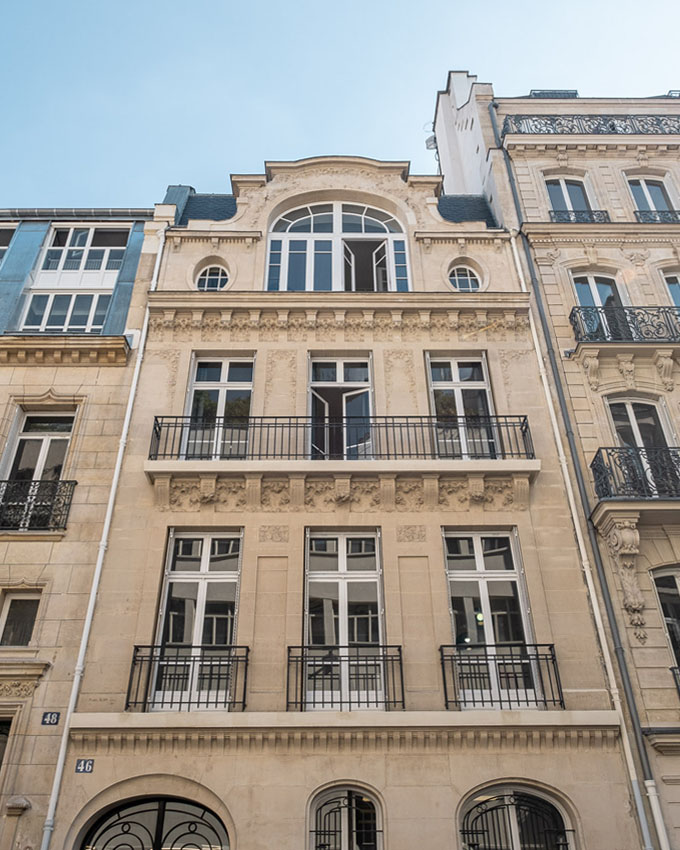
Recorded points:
157,823
345,819
510,819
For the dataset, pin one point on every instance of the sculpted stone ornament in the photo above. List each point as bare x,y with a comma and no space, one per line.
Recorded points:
627,369
663,360
623,540
591,366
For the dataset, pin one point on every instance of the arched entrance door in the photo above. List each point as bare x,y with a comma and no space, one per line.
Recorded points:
514,821
157,823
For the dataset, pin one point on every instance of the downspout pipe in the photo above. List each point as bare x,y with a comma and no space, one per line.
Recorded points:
649,782
48,826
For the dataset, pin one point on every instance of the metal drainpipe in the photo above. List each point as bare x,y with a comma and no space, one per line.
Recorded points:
650,784
48,826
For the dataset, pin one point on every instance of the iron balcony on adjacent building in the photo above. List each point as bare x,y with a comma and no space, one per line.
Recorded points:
626,324
631,472
579,216
35,505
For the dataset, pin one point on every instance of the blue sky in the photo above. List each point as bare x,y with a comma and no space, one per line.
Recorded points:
105,102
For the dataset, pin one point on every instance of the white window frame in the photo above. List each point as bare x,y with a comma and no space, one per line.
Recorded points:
86,247
337,238
645,191
471,274
222,276
671,278
665,572
5,248
18,434
202,577
662,411
565,193
620,288
9,596
89,327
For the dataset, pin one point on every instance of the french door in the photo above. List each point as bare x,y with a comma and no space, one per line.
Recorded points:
343,629
28,498
340,396
462,404
198,623
490,623
650,467
607,319
219,407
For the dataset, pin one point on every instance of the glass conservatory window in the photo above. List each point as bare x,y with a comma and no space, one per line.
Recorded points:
336,246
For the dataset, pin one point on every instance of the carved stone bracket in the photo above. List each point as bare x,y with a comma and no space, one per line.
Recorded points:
591,366
663,360
623,542
626,366
345,492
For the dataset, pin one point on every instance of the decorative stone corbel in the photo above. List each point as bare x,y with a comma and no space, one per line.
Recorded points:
207,488
627,369
387,492
253,492
591,366
162,487
623,541
16,806
476,488
431,491
663,360
342,489
520,491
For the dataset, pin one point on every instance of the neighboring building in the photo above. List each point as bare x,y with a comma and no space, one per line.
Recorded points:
598,188
341,606
66,279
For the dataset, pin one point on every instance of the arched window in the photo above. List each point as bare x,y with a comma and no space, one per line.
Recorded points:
157,823
511,819
652,202
212,279
345,819
667,583
464,279
337,246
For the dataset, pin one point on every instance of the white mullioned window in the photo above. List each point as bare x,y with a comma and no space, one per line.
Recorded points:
341,406
17,618
464,279
650,195
65,312
337,246
85,249
567,194
6,234
212,279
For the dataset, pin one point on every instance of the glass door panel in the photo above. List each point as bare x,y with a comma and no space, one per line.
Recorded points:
174,670
357,436
323,668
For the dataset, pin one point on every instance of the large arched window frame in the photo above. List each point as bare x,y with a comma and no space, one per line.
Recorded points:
157,823
345,818
515,818
337,246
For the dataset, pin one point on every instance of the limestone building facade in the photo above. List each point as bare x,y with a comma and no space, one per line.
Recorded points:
593,187
341,603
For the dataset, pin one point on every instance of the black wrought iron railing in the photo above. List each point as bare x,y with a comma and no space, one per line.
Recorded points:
345,678
637,473
35,505
626,324
345,438
501,676
579,216
181,678
658,216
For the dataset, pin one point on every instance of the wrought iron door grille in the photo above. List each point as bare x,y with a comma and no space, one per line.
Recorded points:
366,438
182,678
515,821
501,676
345,678
658,216
624,472
626,324
579,216
35,505
351,816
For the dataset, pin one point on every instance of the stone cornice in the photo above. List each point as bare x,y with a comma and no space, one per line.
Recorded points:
461,237
66,350
273,168
540,232
667,745
132,734
19,676
624,360
186,486
177,236
540,143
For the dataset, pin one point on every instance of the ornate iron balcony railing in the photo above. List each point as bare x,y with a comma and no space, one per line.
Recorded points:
180,678
658,216
35,505
343,438
637,473
501,676
345,678
579,216
626,324
598,125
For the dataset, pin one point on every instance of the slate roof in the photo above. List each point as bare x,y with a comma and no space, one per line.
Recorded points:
458,208
208,207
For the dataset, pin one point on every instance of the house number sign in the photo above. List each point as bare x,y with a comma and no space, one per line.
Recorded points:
84,765
50,718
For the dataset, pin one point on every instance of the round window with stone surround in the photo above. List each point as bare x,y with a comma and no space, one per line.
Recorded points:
464,279
212,279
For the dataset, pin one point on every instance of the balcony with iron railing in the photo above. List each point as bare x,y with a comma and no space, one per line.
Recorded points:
658,216
345,678
182,678
35,505
634,473
501,676
579,217
626,324
356,438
